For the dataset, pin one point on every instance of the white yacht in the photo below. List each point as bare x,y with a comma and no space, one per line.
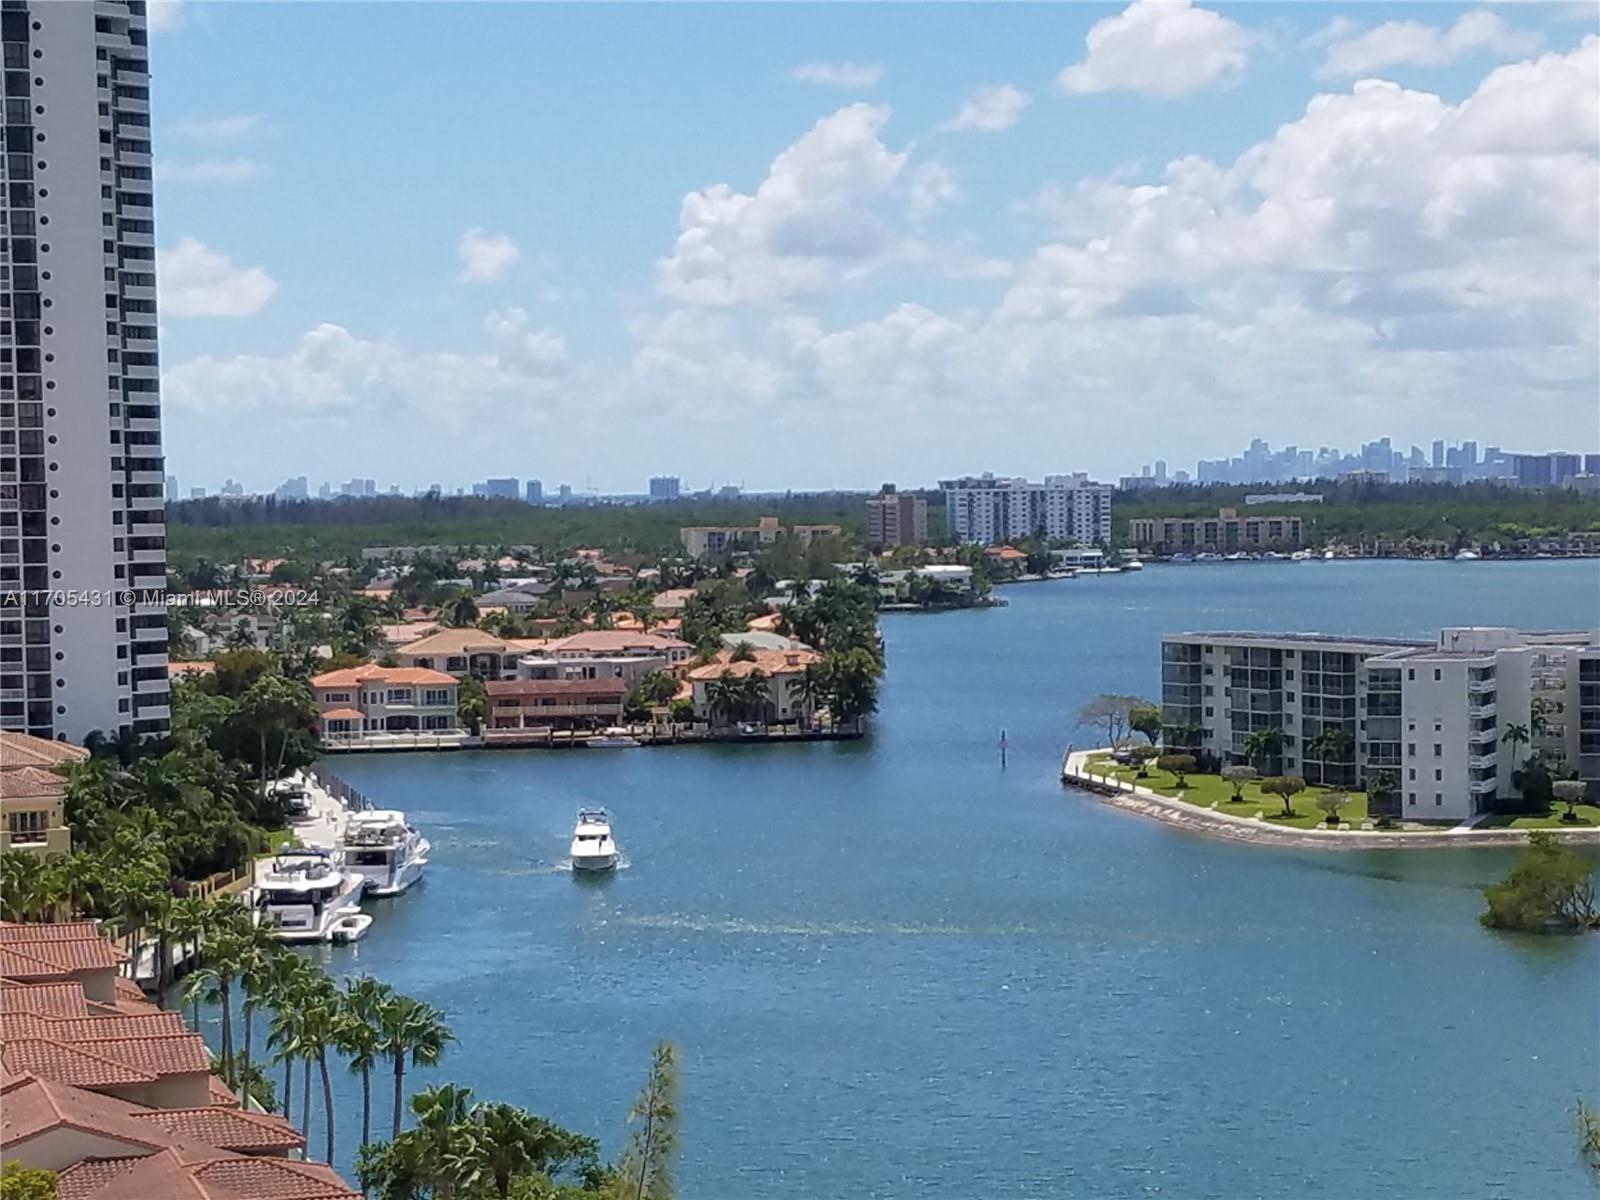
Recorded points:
1467,556
304,896
593,848
383,849
612,739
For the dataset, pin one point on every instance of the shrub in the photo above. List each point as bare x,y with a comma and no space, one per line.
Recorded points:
1238,776
1330,803
1177,764
1286,786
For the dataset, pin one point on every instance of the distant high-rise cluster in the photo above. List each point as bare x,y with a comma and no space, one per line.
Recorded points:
1380,460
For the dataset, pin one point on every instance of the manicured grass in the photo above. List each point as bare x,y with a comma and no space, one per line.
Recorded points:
1204,790
277,839
1588,817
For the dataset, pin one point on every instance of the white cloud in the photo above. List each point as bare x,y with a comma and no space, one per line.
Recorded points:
233,170
850,76
809,223
1161,48
989,109
542,351
933,187
163,15
197,281
217,129
486,257
1411,43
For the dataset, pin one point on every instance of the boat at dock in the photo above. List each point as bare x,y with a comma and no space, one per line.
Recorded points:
381,847
304,894
593,847
351,928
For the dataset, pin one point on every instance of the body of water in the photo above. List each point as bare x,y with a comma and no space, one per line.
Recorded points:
894,969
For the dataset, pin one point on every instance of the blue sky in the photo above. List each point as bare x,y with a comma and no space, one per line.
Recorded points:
798,245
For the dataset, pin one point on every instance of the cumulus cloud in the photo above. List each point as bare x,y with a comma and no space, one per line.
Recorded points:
933,187
486,257
217,129
197,281
810,222
1163,48
853,77
163,15
542,351
1411,43
233,170
989,110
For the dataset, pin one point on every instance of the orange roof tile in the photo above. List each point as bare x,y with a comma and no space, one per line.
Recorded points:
68,1064
66,955
14,964
180,1054
768,662
55,931
220,1094
83,1179
30,783
30,1106
351,677
342,714
24,750
43,999
225,1128
128,989
190,668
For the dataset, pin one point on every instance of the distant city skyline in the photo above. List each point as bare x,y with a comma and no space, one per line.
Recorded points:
743,242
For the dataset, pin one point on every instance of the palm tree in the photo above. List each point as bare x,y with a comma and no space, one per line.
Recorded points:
286,986
506,1141
358,1036
460,609
646,1167
752,696
808,689
410,1027
187,922
27,886
1514,736
213,982
722,696
257,970
321,1018
1262,745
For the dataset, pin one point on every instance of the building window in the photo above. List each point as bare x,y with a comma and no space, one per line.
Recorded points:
1438,775
1438,750
26,827
1437,674
1438,799
1411,749
1411,774
1411,799
1411,674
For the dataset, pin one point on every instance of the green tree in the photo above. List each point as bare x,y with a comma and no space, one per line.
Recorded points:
18,1182
472,703
645,1171
1571,793
1262,746
1550,889
1286,787
460,609
852,684
1237,776
743,652
1588,1126
1515,736
410,1029
658,687
1330,803
1108,714
1178,765
359,1036
1146,719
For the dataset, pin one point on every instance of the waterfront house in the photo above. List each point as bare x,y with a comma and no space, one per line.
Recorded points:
467,651
116,1096
357,702
780,671
32,793
543,704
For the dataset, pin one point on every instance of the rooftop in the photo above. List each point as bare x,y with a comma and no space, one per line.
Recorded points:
768,662
351,677
24,750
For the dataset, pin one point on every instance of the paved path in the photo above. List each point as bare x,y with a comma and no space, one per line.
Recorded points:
1213,823
320,829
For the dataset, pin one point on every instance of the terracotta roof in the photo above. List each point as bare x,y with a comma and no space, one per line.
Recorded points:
406,632
220,1094
355,676
463,640
199,1173
24,750
343,714
30,1106
768,662
601,641
1005,552
190,668
30,783
171,1054
555,687
154,1023
84,1178
68,1064
42,999
65,955
225,1128
672,599
128,989
14,964
12,932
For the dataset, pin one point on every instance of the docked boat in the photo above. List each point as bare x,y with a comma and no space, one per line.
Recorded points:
305,894
351,928
1467,556
1300,556
593,847
383,849
611,739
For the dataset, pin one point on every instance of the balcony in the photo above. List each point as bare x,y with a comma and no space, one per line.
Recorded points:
1481,687
1482,787
1481,762
1481,712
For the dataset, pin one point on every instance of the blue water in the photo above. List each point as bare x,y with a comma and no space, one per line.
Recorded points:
894,969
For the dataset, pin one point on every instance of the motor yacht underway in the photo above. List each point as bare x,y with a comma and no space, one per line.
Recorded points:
304,895
593,848
383,849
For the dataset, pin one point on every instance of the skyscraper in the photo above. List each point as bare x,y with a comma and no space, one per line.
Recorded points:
82,518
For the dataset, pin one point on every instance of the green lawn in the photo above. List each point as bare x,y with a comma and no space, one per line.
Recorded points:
278,839
1588,817
1204,790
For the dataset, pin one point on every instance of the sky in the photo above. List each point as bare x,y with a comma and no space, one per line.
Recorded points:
808,246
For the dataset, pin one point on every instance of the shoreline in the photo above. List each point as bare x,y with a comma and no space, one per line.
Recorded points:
1223,826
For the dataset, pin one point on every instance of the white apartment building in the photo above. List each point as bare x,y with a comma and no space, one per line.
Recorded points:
1435,714
82,479
988,510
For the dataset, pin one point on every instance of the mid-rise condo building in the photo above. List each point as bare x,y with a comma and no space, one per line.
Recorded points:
1453,720
896,518
988,509
83,635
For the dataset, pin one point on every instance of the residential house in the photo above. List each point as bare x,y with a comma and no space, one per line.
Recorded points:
356,702
467,651
619,654
780,671
553,703
32,793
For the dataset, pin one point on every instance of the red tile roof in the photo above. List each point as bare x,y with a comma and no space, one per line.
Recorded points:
27,783
43,999
24,750
30,1106
351,677
69,1064
613,688
225,1128
84,1178
65,955
14,964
